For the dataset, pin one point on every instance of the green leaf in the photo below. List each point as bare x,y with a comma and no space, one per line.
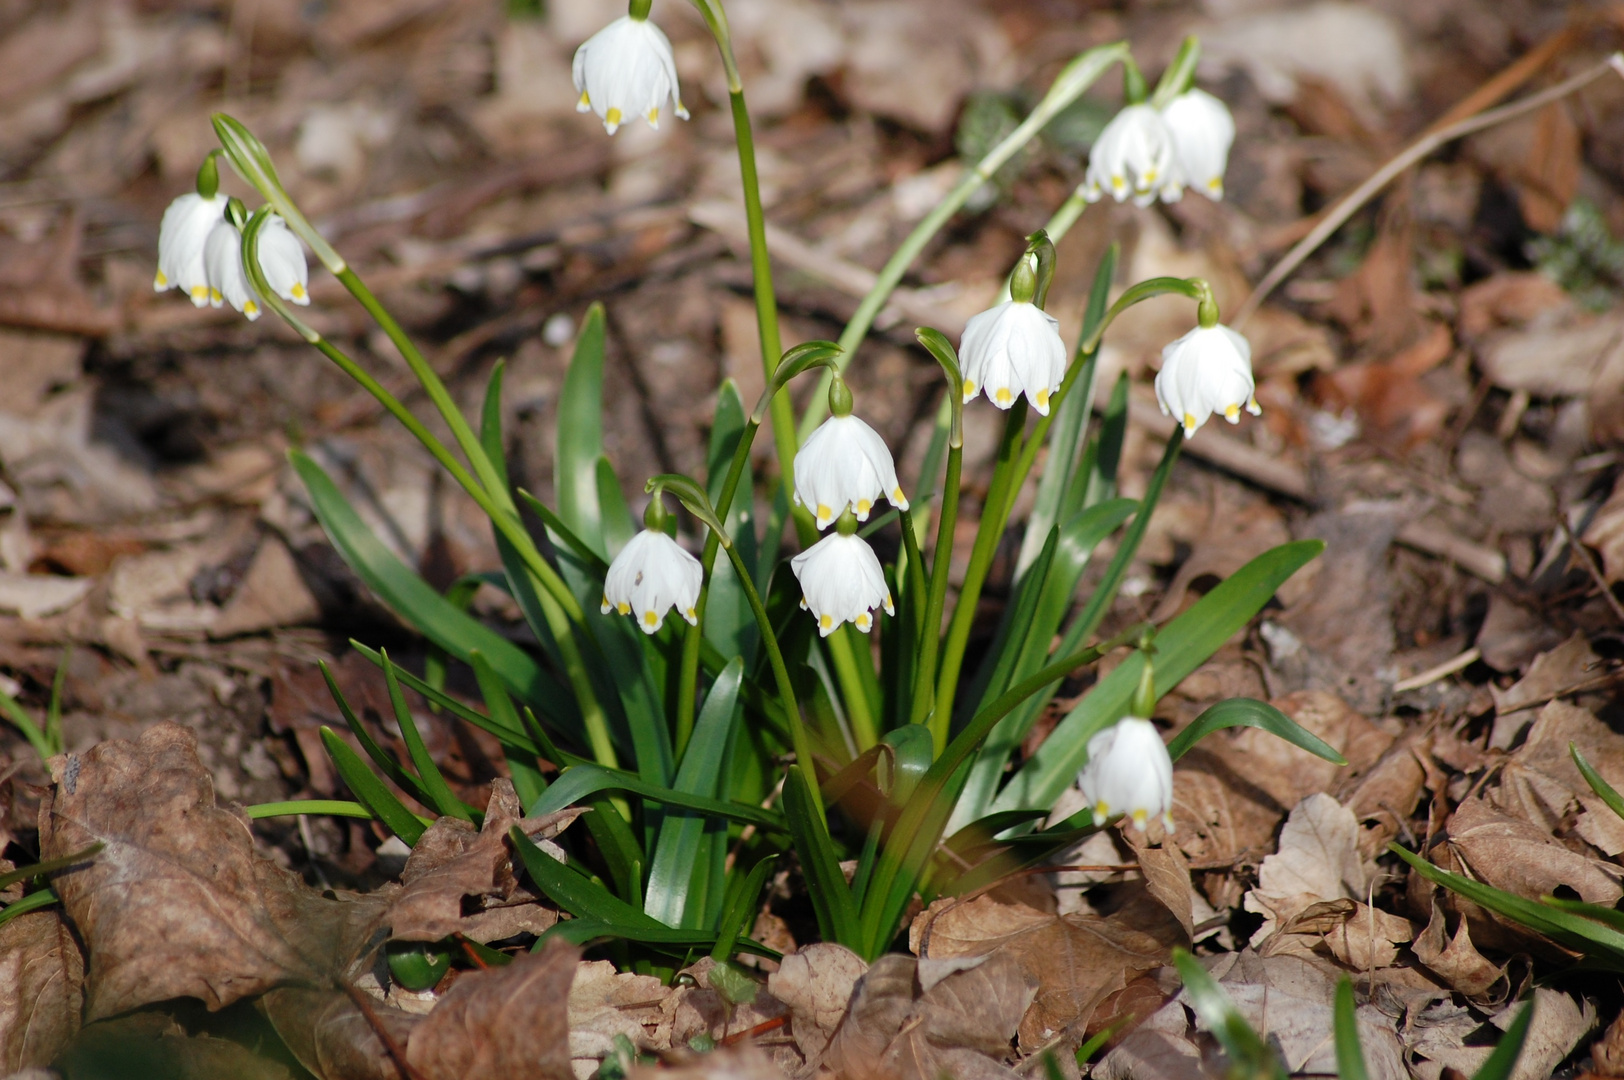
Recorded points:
1247,712
25,724
825,884
521,738
677,853
1598,784
391,768
50,866
618,524
1503,1062
44,898
371,791
738,912
574,892
1350,1058
413,599
618,845
560,531
580,781
528,783
490,422
434,784
587,931
580,435
1248,1054
1182,646
329,807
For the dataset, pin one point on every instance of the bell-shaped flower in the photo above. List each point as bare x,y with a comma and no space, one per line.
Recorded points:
1134,155
845,463
283,261
651,575
222,259
1208,370
841,581
1203,132
181,240
1012,349
1129,772
626,70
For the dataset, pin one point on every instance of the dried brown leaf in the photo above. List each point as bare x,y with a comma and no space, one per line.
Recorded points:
1457,961
742,1062
1553,674
154,1047
502,1023
331,1035
1520,857
604,1003
42,989
816,983
178,904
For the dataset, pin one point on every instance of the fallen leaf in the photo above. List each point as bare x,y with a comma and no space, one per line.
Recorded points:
1605,533
1560,1021
816,983
1458,962
1560,353
155,1047
332,1037
34,596
1512,634
502,1023
1552,675
273,593
42,989
178,904
1509,298
604,1003
745,1061
1540,782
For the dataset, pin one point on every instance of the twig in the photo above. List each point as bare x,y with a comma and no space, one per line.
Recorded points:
1476,559
1594,571
1417,150
1441,671
363,1005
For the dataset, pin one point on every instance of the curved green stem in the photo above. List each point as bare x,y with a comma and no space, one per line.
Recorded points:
930,641
916,569
988,532
1195,289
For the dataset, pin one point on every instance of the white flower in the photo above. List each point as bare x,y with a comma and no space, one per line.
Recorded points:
1134,153
1011,349
1208,370
222,259
1203,132
845,463
651,575
283,261
181,237
1129,772
841,581
625,70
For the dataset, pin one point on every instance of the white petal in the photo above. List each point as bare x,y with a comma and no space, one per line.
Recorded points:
845,463
1202,131
626,70
1012,349
228,284
841,579
282,260
181,238
651,575
1204,372
1133,155
1128,772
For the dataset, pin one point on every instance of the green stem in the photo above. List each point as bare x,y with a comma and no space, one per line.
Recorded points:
1078,76
916,569
843,655
930,641
988,532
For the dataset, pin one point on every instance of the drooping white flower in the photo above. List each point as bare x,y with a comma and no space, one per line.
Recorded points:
1129,772
1203,132
845,463
841,581
181,239
1012,349
222,260
651,575
626,70
1208,370
1134,155
282,260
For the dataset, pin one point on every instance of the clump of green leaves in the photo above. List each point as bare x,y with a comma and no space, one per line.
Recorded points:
1583,257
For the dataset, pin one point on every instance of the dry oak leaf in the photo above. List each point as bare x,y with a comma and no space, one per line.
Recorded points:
604,1003
816,983
744,1061
453,862
1553,674
333,1038
153,1046
42,989
1076,960
502,1023
1457,961
177,904
1540,783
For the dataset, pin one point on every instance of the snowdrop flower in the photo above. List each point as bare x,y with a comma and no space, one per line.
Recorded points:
1129,772
841,580
844,463
1135,153
1208,370
282,260
222,261
1012,349
181,239
651,575
1202,132
625,70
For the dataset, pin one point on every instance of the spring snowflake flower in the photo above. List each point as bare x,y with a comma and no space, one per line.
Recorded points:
1208,370
651,575
282,260
222,260
625,70
841,581
845,463
1012,349
1202,131
1129,772
181,239
1134,154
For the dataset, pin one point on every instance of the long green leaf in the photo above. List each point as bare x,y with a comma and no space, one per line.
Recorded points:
832,900
371,791
521,738
1350,1057
1182,646
528,783
581,781
328,807
391,768
408,594
561,531
580,435
441,797
1597,782
1502,1062
587,931
677,858
42,898
574,892
1248,1054
25,724
730,930
49,866
1247,712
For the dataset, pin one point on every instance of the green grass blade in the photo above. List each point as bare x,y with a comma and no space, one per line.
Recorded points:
1248,1054
403,779
1247,712
580,435
371,791
618,845
53,710
730,929
49,866
522,739
579,782
618,524
43,898
555,525
326,807
589,931
1598,784
1503,1061
490,423
1350,1057
25,724
441,797
573,891
831,897
1181,647
528,783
